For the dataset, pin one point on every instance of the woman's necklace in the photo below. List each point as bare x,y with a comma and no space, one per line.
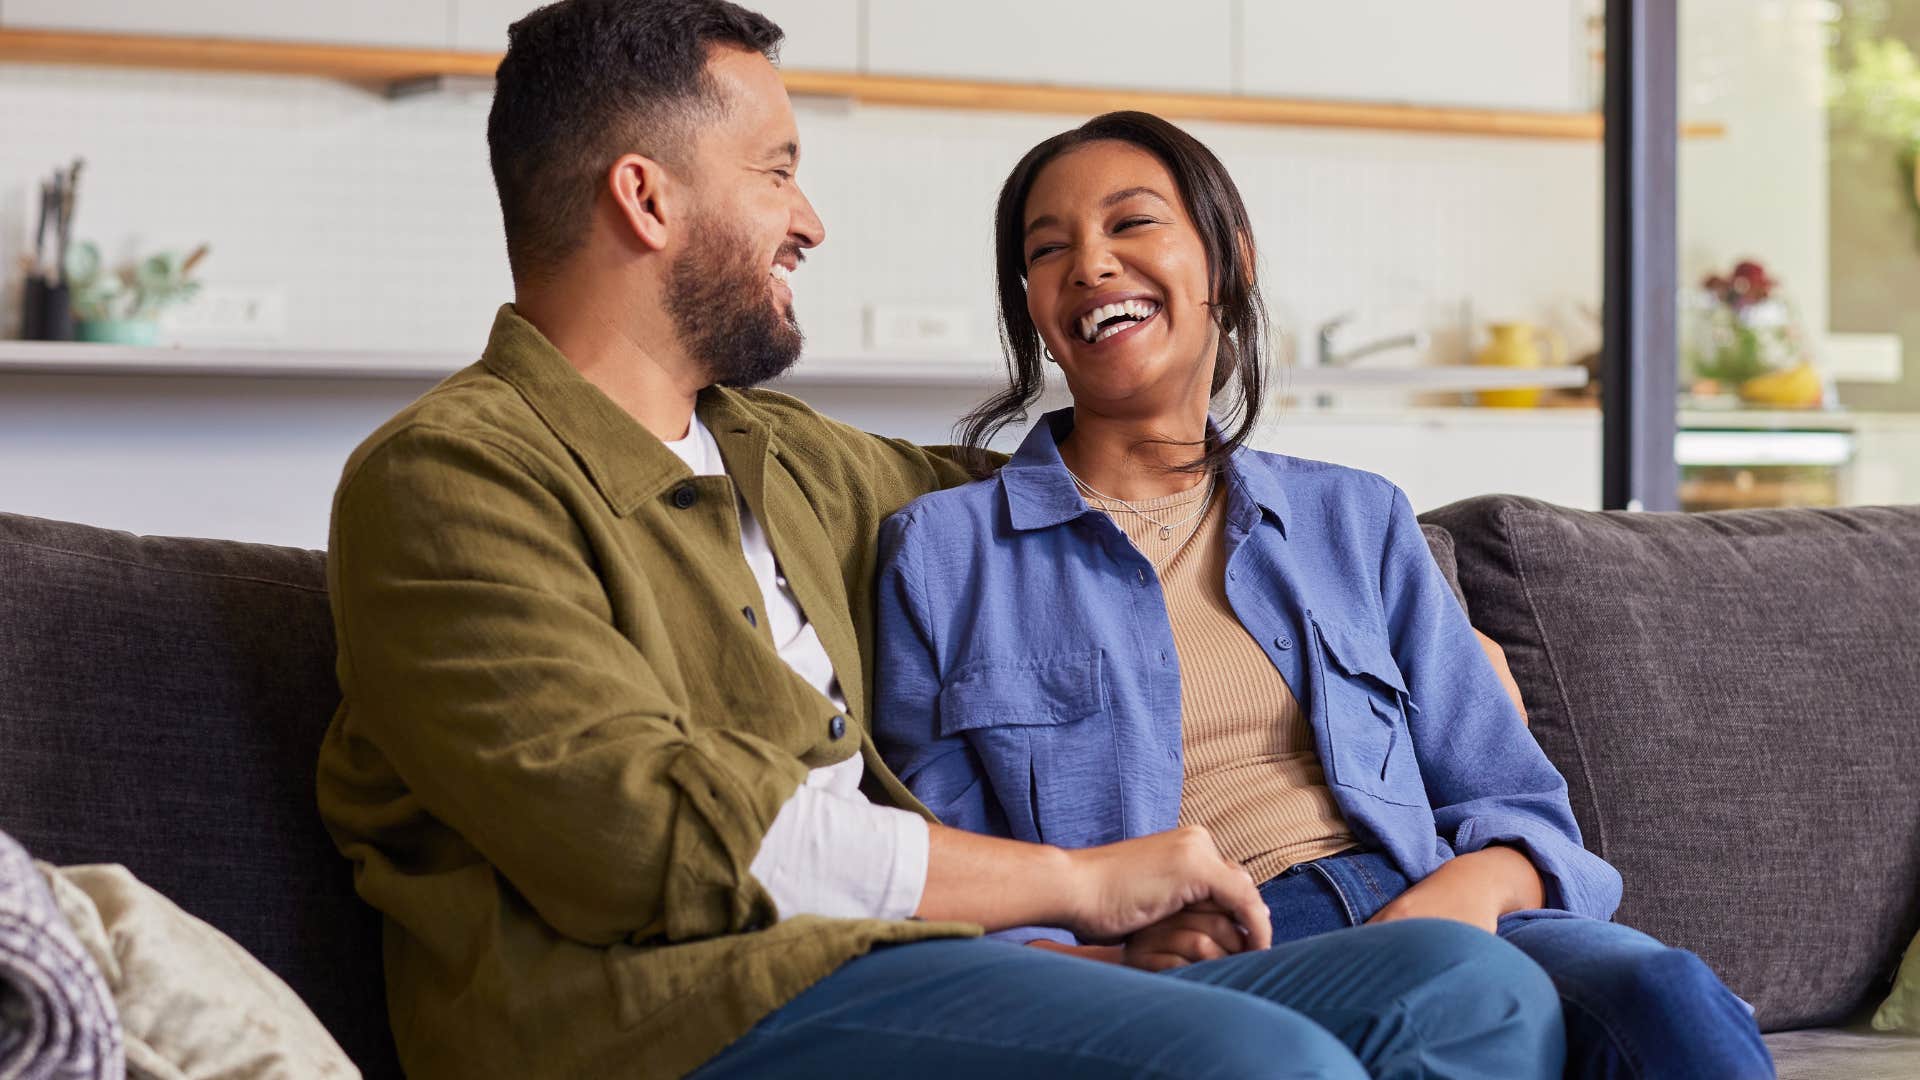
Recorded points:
1166,527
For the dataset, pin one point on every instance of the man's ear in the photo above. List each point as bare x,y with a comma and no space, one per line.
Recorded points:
643,193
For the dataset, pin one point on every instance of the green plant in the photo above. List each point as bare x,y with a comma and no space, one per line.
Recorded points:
138,290
1876,92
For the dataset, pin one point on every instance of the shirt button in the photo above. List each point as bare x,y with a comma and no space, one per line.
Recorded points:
1283,644
685,496
837,727
1163,658
1233,575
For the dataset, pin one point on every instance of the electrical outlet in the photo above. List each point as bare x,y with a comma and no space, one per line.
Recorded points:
230,315
912,329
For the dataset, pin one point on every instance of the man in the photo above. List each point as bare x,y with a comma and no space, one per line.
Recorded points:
602,755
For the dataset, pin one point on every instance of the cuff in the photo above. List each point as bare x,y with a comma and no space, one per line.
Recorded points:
1025,935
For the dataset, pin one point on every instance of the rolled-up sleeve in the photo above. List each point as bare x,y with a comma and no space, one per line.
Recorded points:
478,656
1488,780
831,852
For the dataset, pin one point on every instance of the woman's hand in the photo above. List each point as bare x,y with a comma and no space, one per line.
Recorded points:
1476,888
1187,937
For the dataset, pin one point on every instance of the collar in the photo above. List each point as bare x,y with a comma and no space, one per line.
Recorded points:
1041,493
627,463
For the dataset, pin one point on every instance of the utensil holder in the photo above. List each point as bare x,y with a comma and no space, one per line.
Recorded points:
46,311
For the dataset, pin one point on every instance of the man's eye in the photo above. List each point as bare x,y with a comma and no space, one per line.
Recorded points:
785,175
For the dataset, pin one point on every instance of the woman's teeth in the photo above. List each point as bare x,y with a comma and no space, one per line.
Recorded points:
1128,311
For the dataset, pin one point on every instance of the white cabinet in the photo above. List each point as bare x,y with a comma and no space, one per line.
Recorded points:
481,25
1133,44
1441,455
821,35
1501,54
423,24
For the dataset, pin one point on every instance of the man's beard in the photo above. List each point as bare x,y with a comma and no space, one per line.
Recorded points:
717,296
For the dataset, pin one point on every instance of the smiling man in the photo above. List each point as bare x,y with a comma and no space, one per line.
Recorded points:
604,620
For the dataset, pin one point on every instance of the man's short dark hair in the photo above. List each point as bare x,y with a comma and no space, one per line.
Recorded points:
585,81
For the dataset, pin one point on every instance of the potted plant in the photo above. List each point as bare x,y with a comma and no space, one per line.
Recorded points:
123,306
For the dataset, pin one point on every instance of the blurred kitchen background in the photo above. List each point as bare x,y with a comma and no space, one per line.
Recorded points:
1425,178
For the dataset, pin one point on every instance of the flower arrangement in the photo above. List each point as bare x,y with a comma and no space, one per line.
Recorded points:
1741,327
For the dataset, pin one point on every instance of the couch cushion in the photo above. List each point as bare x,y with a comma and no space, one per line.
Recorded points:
1734,699
1844,1054
162,703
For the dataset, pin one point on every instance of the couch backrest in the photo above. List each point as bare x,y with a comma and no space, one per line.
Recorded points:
1734,699
162,703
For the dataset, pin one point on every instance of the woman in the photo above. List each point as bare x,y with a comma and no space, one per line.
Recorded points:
1140,623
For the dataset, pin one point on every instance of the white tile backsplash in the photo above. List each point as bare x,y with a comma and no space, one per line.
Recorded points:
378,217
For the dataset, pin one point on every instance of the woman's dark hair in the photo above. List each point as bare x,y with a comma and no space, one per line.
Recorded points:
1213,203
585,81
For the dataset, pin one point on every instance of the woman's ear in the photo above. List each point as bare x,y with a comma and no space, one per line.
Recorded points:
642,193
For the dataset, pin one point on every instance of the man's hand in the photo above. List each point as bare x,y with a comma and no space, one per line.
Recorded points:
1187,937
1102,894
1475,888
1126,886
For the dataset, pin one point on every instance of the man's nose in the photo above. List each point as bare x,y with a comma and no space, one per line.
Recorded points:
806,228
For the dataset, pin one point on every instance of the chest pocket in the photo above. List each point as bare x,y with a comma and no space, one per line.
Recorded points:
1044,733
1363,705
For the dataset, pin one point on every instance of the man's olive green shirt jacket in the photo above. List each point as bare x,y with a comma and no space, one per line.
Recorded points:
562,736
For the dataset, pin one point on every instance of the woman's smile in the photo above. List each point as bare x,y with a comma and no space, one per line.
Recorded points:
1105,319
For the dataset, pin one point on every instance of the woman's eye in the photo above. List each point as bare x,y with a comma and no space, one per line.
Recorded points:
1131,222
1044,249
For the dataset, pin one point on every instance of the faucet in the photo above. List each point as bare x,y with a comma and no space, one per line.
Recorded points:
1328,358
1325,356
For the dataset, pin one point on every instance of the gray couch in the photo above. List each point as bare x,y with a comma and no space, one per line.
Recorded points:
1734,698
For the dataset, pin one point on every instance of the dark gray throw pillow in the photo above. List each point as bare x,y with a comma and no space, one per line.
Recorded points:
162,703
1734,699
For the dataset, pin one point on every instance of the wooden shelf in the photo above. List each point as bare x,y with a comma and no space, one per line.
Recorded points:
384,69
373,67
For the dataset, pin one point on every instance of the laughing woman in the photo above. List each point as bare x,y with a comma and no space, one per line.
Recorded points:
1140,623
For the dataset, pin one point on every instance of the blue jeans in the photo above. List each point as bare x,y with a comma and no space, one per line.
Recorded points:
1634,1007
1421,998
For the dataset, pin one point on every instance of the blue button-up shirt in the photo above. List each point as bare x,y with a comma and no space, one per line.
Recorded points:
1028,686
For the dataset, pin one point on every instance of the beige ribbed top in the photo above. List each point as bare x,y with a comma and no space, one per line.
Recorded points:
1253,777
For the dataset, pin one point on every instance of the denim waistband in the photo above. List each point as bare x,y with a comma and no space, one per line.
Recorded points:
1357,883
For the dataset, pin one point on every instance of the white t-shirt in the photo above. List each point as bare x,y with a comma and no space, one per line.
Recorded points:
830,850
